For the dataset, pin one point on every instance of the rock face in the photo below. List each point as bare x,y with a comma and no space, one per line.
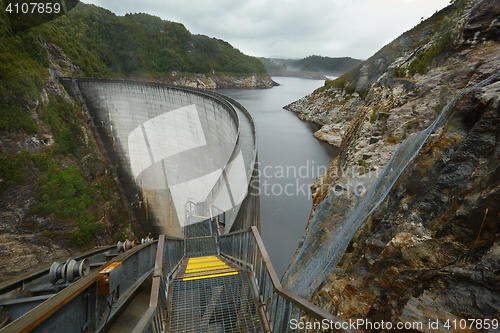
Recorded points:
372,109
218,81
30,238
483,24
430,251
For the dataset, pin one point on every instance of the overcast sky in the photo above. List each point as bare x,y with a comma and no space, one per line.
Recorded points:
290,28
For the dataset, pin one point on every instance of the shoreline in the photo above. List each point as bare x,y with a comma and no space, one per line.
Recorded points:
213,82
299,74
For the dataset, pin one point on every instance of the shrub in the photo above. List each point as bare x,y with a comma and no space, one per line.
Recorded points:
65,126
13,117
391,138
445,38
85,233
350,89
438,108
400,72
364,167
22,61
64,194
363,93
13,169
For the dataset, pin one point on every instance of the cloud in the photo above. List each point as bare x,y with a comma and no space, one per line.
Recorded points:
293,28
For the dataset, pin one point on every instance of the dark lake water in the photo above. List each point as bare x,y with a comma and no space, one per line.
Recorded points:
290,159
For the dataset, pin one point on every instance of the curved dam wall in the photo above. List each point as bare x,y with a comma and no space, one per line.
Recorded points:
170,145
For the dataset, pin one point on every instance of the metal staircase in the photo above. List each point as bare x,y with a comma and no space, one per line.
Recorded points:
213,303
208,293
202,283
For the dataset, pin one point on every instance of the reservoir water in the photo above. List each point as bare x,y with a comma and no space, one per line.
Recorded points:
290,159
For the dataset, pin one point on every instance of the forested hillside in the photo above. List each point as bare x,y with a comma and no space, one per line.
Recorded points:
314,63
327,65
144,45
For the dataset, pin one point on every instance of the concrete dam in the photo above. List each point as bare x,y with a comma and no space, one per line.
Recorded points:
171,146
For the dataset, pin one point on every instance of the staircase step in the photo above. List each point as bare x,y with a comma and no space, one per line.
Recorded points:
205,267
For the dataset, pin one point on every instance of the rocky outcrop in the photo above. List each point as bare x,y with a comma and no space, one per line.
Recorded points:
430,250
218,81
369,123
484,23
332,110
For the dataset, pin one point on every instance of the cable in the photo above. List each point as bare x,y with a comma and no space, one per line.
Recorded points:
110,305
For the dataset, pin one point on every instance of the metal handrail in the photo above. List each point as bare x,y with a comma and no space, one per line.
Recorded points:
86,287
168,256
153,318
281,305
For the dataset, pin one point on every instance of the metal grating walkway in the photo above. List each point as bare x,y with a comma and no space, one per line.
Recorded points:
209,293
220,304
201,239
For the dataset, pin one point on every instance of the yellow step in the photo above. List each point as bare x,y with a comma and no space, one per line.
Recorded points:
207,267
209,276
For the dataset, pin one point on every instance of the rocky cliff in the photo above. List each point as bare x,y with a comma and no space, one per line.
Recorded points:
58,195
429,248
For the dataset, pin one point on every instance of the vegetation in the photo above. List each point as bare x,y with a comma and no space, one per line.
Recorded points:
363,93
399,72
272,65
443,44
439,23
100,44
363,167
326,65
309,68
338,83
443,97
329,65
391,138
64,194
65,126
23,66
13,169
104,44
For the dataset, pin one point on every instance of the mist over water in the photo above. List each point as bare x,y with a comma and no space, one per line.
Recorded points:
290,159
